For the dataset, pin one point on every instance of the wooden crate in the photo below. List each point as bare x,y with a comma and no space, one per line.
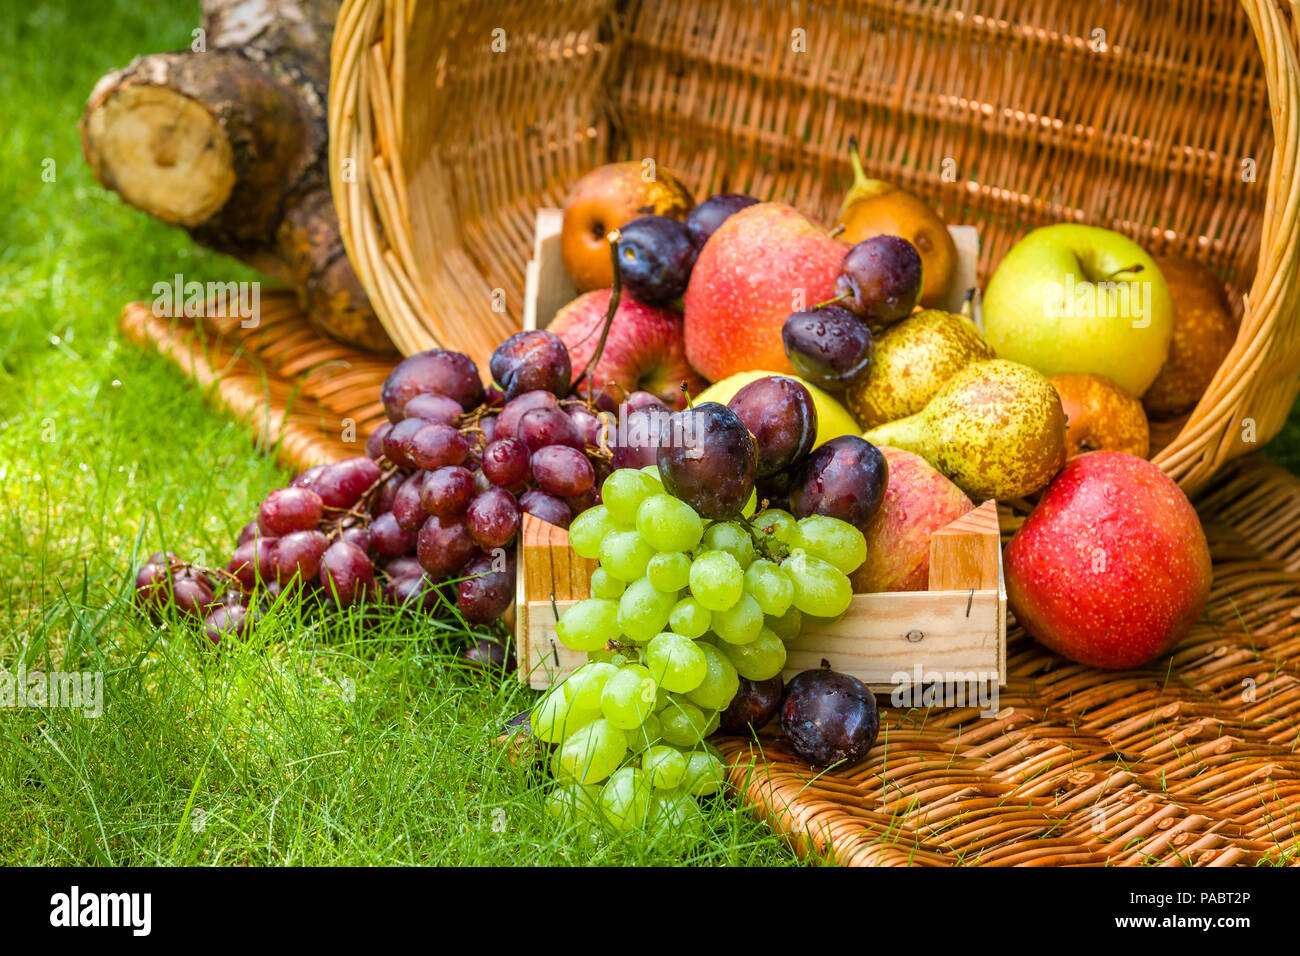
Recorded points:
956,630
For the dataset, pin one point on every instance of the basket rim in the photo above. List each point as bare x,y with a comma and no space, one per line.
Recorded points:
366,104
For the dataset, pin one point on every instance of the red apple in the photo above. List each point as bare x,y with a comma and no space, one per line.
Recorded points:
1112,568
762,264
918,502
643,352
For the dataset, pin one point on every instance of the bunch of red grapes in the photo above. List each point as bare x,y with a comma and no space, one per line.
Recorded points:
428,515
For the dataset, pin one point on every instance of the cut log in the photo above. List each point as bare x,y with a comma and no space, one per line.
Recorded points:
228,141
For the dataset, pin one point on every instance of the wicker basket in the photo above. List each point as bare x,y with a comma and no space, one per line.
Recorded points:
451,123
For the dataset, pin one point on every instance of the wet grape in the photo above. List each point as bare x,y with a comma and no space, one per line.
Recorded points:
547,507
540,427
404,566
346,575
436,446
341,484
489,655
375,441
408,508
635,444
388,539
383,501
253,561
435,408
444,545
492,518
590,426
356,534
529,361
397,443
505,463
228,620
487,589
562,471
415,590
447,491
508,421
289,509
297,556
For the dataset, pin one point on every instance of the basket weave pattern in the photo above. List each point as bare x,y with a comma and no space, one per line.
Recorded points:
451,123
306,397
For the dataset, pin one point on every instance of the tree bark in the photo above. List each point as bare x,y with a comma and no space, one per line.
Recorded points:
228,140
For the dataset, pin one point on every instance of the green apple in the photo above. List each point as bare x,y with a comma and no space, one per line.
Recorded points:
1071,298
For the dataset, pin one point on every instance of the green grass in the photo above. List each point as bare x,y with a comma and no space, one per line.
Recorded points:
329,739
349,739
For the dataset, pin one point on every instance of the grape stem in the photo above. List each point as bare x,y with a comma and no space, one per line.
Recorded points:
365,501
765,543
179,566
469,425
615,293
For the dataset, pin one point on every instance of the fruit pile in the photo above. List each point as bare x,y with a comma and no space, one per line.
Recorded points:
1082,336
693,594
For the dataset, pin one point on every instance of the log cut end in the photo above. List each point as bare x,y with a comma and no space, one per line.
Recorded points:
163,151
229,143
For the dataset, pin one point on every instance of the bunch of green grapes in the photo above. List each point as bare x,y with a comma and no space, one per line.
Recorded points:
678,612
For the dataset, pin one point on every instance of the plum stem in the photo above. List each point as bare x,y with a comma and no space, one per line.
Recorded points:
839,298
615,293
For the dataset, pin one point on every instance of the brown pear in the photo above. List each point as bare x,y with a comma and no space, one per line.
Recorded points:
1204,331
608,198
913,360
1100,416
873,207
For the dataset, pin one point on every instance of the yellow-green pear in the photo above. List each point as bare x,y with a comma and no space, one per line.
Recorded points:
995,429
913,360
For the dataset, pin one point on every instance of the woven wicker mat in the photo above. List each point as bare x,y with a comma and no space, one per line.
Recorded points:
305,397
1189,762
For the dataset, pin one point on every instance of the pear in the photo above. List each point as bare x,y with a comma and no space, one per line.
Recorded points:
913,360
996,430
873,207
